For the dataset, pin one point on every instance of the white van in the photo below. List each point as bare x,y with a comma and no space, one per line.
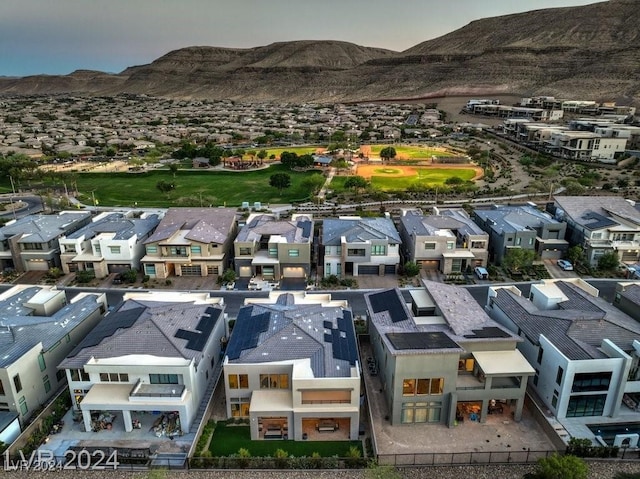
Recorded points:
481,272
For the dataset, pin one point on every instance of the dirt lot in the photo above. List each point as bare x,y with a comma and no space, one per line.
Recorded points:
110,167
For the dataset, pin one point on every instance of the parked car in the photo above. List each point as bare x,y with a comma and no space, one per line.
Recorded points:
565,265
118,279
481,272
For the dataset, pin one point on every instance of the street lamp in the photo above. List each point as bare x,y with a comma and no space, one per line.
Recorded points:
13,189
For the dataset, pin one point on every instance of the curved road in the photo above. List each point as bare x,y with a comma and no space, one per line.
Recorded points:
33,205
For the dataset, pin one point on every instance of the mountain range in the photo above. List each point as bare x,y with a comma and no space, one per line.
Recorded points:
586,52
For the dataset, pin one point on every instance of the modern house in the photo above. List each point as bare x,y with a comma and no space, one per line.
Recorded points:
272,248
627,298
111,243
600,224
585,145
155,352
31,243
38,328
523,227
190,242
441,359
291,366
585,351
357,246
447,240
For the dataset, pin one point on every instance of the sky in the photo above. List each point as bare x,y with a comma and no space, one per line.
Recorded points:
61,36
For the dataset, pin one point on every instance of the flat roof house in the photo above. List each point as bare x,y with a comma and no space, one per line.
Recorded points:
38,328
291,366
31,243
190,242
111,243
447,240
442,359
355,246
584,350
273,249
155,352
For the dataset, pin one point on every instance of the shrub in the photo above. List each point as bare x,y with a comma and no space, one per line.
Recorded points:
411,269
54,273
130,275
85,276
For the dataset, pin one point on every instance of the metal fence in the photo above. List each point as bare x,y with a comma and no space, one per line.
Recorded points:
463,458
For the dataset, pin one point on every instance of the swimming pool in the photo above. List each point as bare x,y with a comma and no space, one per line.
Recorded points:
608,432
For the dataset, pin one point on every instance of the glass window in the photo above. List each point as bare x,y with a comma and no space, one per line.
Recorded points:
274,381
450,245
196,250
518,241
2,393
437,385
238,381
163,378
17,383
178,251
294,253
24,409
41,362
421,412
356,252
114,249
580,406
408,387
245,251
152,249
97,248
586,382
559,375
149,269
378,250
429,246
47,384
273,252
540,353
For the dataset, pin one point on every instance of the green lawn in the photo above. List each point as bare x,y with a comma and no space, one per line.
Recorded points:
232,188
411,152
228,440
427,177
299,150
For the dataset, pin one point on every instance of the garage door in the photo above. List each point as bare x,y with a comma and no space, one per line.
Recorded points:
37,265
551,254
191,270
362,270
119,268
431,265
245,272
293,272
390,269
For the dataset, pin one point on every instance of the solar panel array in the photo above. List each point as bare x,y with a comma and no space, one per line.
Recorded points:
197,340
306,228
108,326
488,332
246,331
344,345
388,301
423,340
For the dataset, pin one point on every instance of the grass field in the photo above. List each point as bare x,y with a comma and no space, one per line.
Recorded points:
228,439
411,152
422,176
125,189
299,150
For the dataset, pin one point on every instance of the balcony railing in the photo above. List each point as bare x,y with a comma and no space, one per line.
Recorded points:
144,390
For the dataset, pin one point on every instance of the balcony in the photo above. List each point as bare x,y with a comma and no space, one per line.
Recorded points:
469,381
144,391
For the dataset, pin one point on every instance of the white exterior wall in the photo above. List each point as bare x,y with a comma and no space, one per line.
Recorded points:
606,148
333,258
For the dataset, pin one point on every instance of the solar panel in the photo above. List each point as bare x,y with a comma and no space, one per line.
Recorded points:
343,339
197,340
327,324
388,301
108,326
328,337
488,332
422,340
246,331
306,228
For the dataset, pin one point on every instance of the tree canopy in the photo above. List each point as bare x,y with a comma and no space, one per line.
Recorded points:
518,258
280,181
388,153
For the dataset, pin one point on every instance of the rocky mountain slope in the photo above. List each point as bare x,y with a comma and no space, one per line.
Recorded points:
590,52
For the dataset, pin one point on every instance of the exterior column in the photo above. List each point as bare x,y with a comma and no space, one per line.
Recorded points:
86,417
517,414
128,426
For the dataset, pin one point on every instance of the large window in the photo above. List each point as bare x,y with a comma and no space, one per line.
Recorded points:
114,377
274,381
273,252
114,249
240,407
430,245
586,382
47,384
79,375
163,378
149,269
152,249
238,381
244,251
294,253
24,409
41,362
416,412
196,249
477,244
178,251
356,252
422,387
580,406
378,250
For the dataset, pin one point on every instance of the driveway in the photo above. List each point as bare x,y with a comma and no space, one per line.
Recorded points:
556,272
293,284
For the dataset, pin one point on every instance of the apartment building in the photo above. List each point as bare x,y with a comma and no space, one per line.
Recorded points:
155,352
38,329
585,145
111,243
447,240
292,367
31,243
600,224
523,227
584,350
190,242
356,246
272,248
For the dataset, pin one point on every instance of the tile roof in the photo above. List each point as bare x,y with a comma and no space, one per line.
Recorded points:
287,331
20,331
632,293
298,230
447,219
119,224
43,228
511,219
204,225
577,328
359,230
143,327
595,212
